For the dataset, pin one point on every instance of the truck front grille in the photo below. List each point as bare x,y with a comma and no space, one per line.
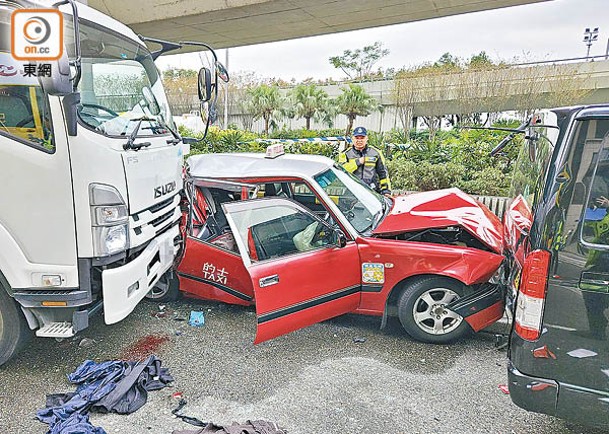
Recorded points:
146,224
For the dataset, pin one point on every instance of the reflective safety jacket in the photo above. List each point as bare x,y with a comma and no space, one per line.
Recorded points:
373,172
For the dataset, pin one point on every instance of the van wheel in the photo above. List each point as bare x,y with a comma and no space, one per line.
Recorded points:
166,289
14,331
422,313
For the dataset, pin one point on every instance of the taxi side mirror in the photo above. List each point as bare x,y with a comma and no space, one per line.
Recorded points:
339,238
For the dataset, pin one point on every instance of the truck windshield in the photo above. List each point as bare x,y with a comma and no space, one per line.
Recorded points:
360,205
120,85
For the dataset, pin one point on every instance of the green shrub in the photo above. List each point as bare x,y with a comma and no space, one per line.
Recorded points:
423,176
490,181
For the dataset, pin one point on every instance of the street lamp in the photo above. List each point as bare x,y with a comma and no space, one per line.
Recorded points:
589,38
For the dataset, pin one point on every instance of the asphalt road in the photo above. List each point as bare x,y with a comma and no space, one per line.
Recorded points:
316,380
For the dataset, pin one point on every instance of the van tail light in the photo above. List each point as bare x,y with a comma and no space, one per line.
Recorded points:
532,295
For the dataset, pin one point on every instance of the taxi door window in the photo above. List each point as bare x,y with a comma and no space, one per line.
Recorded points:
279,230
24,115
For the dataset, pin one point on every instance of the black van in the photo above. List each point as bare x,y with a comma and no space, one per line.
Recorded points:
557,235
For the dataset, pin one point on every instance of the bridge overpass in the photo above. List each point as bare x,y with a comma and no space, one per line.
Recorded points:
234,23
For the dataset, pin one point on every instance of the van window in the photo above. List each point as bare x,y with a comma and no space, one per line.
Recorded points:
582,184
531,168
595,228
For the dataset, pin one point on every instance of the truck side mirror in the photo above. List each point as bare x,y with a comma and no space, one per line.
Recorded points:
221,72
204,85
58,82
340,238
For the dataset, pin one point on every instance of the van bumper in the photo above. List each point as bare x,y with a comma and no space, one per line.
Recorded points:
569,402
124,287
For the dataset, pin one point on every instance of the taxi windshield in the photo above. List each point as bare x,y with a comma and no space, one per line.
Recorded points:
120,85
360,205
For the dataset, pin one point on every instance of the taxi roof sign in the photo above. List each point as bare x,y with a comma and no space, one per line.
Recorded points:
275,150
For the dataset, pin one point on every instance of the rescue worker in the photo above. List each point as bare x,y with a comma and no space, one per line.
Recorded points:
366,162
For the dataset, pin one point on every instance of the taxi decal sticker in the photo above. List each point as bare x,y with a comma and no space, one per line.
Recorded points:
221,287
373,272
214,274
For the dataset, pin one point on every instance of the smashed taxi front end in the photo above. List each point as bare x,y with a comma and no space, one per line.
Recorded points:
462,239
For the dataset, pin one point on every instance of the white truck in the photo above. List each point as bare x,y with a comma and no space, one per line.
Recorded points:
91,171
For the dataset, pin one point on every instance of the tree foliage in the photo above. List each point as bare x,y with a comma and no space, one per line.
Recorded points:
353,102
311,102
266,102
357,64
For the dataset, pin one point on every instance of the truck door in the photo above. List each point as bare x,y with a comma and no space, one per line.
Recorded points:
300,273
37,218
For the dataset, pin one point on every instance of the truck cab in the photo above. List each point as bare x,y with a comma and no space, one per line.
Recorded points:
557,234
91,168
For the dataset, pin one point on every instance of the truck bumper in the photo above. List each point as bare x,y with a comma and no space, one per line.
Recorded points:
124,287
573,403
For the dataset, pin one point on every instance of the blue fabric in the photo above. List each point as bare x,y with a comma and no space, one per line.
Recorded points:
69,413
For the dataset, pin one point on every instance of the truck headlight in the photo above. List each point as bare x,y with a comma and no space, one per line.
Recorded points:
109,218
108,240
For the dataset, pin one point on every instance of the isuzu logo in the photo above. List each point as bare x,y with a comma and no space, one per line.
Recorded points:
162,190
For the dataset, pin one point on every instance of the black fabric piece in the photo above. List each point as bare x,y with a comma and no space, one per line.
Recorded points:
188,419
131,392
249,427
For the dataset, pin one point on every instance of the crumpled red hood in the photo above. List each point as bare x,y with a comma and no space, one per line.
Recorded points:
443,208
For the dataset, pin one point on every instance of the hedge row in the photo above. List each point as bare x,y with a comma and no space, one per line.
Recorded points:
456,158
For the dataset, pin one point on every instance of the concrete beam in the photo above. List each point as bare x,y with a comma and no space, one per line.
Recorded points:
232,23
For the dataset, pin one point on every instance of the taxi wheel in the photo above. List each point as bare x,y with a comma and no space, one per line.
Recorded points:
166,289
14,332
422,313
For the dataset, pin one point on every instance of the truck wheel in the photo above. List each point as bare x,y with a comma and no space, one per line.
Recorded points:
422,314
166,289
14,332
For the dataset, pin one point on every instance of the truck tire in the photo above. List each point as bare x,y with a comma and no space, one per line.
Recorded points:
166,289
422,314
14,331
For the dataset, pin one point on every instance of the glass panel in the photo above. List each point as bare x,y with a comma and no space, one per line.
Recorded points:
120,85
279,230
24,111
532,167
596,220
360,205
24,114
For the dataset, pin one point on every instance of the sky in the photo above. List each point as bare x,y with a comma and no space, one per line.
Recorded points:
541,31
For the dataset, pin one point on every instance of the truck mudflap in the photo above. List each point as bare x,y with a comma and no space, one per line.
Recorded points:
124,287
482,307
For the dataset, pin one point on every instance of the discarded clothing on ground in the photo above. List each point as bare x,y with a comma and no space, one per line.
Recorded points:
249,427
113,386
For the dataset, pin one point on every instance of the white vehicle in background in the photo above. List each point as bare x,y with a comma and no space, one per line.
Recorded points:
91,171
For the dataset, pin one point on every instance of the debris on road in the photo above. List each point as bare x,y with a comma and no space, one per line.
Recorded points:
196,319
86,343
504,388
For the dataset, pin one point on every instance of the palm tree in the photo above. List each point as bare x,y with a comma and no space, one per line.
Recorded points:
265,102
310,101
354,102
